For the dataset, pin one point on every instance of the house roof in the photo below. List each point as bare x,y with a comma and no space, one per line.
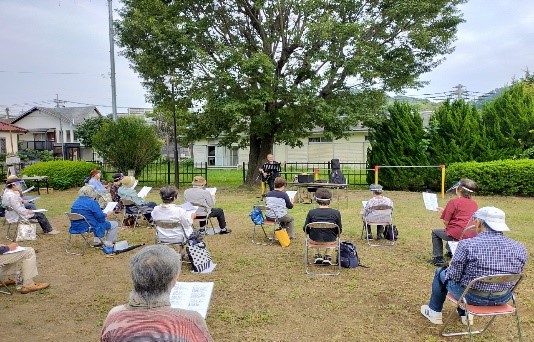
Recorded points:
71,114
7,127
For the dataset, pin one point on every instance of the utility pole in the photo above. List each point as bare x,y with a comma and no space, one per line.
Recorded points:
459,91
112,61
60,135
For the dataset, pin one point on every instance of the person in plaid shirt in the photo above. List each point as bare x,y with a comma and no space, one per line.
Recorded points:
490,252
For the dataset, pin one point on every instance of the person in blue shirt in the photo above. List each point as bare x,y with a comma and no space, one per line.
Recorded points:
87,206
94,180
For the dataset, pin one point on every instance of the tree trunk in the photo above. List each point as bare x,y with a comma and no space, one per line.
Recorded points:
260,147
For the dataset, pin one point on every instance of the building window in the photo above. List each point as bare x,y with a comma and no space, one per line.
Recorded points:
211,155
319,140
366,138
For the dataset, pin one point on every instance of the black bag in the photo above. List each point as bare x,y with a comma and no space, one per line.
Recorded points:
391,233
337,177
348,256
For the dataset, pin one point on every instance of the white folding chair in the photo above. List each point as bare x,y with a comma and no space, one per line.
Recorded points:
171,232
69,249
266,239
311,244
512,280
381,215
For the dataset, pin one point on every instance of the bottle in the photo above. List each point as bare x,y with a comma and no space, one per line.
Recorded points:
18,281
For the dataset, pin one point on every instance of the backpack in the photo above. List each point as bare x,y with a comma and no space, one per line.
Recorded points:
256,216
391,233
337,177
348,255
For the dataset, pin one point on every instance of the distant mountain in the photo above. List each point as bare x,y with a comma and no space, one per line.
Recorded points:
422,104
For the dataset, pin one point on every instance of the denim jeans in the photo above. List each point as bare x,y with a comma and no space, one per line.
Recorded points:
440,287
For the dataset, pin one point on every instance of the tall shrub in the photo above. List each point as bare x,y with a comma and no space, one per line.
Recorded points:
62,174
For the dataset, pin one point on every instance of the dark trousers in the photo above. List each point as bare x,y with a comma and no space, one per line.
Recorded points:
219,214
43,221
379,230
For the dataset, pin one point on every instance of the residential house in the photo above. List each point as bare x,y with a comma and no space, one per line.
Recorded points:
9,137
53,129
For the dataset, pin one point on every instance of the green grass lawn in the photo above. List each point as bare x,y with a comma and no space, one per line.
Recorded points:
261,293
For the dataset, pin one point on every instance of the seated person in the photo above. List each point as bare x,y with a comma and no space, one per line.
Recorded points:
455,216
198,195
11,198
278,202
87,206
114,191
170,211
148,316
25,200
94,180
488,253
324,213
23,261
127,191
374,215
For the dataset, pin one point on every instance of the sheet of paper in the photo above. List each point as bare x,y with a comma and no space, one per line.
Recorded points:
135,184
291,194
452,245
28,190
30,198
18,249
212,191
189,208
364,203
431,201
109,207
144,191
39,210
194,296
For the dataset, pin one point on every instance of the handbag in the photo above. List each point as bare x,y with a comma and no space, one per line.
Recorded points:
200,258
283,238
26,232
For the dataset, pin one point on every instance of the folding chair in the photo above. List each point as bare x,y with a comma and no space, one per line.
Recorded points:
336,267
381,216
4,289
202,221
171,232
129,208
11,234
492,311
468,232
85,235
267,240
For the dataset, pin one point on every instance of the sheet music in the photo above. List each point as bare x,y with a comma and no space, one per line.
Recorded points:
189,208
144,191
39,210
431,201
364,204
194,296
28,190
135,184
18,249
212,191
452,245
109,207
30,198
291,194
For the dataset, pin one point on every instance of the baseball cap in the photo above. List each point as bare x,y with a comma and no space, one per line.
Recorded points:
493,217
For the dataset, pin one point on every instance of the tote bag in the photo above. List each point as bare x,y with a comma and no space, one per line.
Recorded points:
26,232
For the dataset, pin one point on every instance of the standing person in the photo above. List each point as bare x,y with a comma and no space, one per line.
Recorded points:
455,216
324,213
269,171
278,202
173,212
376,215
148,315
199,195
24,261
488,253
87,206
11,198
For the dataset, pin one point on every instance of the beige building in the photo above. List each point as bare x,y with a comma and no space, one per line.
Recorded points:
9,138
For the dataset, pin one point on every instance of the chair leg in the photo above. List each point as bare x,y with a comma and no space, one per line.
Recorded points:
4,289
68,244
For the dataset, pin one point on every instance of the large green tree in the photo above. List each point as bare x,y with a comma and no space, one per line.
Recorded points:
127,144
87,129
256,72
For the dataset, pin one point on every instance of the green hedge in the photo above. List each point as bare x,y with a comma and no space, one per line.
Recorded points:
501,177
62,174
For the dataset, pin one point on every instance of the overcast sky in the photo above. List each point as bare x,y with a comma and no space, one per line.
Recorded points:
60,48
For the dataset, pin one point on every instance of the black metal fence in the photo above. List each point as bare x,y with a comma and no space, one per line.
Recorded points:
355,173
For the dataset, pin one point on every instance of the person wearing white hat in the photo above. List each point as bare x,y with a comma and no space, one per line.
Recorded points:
490,252
371,215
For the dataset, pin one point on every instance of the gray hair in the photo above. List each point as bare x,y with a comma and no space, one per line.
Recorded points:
88,191
467,187
168,194
154,270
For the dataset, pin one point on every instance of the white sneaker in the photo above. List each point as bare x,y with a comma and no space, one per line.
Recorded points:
433,316
53,232
464,320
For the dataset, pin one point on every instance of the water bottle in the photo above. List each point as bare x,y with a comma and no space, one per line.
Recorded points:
18,281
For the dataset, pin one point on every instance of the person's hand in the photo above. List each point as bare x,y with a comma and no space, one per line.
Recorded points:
108,215
25,201
31,212
440,210
13,246
194,216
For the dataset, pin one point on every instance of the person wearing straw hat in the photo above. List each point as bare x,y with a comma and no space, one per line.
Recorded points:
488,253
455,216
371,215
324,213
199,194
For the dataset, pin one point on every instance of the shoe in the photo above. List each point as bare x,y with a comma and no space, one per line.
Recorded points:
53,232
433,316
318,259
34,287
9,281
97,244
202,231
438,261
449,255
379,237
225,231
327,260
464,320
369,236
